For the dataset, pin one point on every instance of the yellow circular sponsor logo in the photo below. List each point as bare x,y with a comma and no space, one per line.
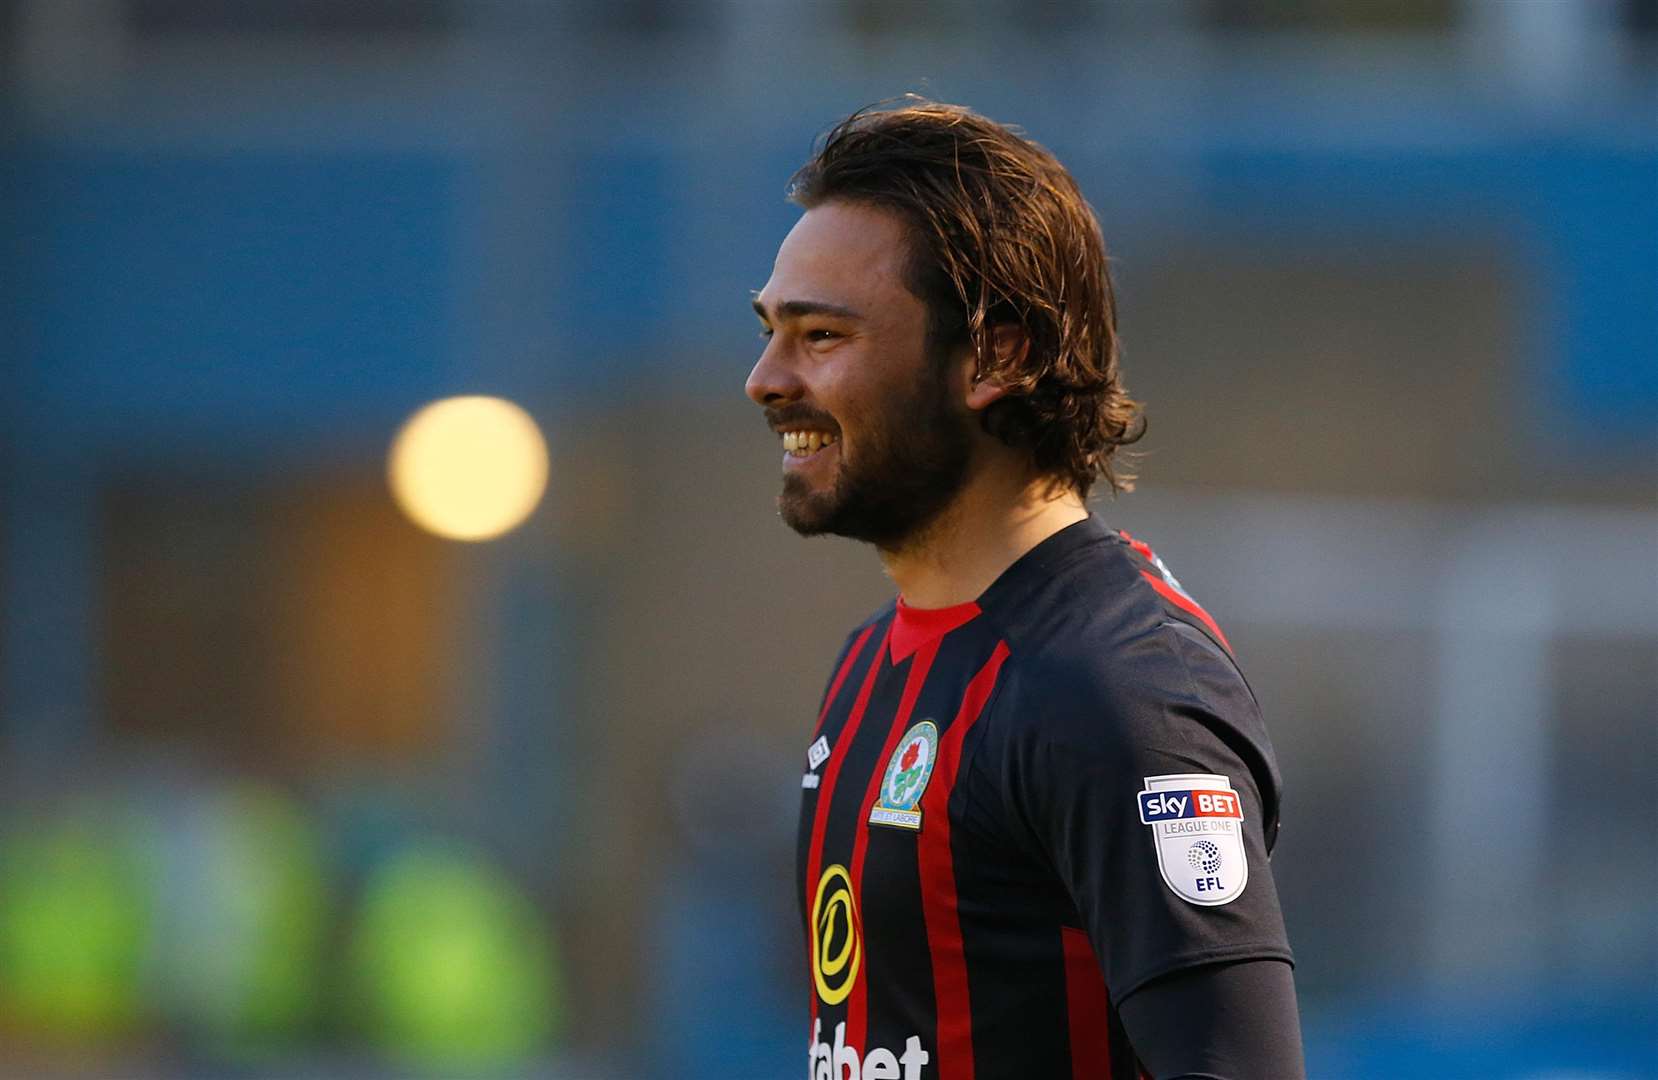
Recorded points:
836,944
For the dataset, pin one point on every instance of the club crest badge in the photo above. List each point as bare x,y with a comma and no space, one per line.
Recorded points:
908,771
1196,822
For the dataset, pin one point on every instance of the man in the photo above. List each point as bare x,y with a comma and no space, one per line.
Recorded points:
1039,797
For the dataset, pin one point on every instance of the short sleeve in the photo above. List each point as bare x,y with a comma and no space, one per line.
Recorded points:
1144,779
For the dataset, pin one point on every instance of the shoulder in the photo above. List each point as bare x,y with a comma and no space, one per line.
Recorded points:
1087,593
1106,672
1094,618
1102,684
1091,639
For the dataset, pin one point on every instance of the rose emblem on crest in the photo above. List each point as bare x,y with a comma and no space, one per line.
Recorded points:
911,767
909,772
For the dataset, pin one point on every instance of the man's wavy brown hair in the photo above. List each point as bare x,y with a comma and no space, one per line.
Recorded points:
1002,235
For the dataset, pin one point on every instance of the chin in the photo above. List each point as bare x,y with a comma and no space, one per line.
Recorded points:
805,515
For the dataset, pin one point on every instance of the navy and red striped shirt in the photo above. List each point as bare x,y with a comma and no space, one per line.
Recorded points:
1020,810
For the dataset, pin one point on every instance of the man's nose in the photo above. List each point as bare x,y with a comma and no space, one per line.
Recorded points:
773,381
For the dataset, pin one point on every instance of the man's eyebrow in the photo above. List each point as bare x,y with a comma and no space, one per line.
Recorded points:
795,309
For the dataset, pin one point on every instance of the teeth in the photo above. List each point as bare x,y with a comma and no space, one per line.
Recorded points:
806,443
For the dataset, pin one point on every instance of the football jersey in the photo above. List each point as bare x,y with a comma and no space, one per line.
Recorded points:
1019,810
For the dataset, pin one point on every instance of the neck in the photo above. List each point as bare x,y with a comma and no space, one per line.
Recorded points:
959,554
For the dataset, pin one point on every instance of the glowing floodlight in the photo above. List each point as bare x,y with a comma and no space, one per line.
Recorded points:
469,468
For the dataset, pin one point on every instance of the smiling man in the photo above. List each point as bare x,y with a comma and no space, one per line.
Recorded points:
1039,796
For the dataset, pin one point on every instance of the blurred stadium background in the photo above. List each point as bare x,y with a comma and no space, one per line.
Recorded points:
291,786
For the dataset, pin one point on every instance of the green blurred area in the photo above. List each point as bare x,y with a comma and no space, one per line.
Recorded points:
453,965
217,923
74,919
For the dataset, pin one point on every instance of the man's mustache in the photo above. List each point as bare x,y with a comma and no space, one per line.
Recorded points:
796,417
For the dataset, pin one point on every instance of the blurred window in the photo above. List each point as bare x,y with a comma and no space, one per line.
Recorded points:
1604,742
1641,18
1053,17
358,17
10,47
274,625
1332,15
871,19
640,18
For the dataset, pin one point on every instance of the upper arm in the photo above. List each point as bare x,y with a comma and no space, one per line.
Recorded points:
1183,880
1223,1021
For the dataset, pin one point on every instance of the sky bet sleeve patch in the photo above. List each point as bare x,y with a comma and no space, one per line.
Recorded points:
1196,823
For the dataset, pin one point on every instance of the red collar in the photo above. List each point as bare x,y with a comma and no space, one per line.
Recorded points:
914,627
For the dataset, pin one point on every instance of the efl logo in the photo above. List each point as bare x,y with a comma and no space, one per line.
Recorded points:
1196,822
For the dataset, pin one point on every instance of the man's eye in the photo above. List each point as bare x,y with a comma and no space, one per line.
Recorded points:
821,335
765,331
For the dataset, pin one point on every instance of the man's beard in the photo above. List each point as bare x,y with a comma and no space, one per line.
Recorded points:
909,464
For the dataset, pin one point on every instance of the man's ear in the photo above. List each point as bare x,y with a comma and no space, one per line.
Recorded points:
1010,343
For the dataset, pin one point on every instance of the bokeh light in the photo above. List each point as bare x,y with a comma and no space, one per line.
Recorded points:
469,468
73,922
453,967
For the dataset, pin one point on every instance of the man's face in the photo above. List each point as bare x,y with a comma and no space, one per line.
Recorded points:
876,437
